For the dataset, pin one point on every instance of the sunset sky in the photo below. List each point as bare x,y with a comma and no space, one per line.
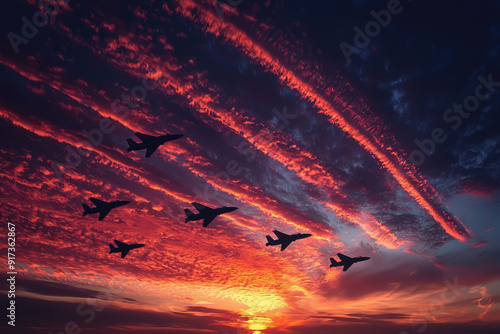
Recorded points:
279,121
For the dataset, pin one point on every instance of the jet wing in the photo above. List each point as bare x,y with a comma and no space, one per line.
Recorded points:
151,149
200,207
103,213
120,244
208,220
347,266
285,245
97,202
144,137
343,257
280,235
125,252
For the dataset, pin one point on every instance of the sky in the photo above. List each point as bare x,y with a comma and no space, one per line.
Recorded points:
372,125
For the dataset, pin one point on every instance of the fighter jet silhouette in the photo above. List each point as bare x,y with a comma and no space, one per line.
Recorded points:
149,143
123,247
346,261
101,207
284,239
206,213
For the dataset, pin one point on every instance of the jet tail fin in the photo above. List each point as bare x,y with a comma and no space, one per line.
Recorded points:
131,144
269,240
86,209
334,262
112,249
189,214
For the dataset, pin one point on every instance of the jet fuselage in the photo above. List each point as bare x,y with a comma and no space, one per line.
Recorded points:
129,247
289,238
210,213
346,261
106,206
160,140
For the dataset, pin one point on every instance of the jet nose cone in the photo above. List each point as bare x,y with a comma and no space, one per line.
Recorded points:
233,208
